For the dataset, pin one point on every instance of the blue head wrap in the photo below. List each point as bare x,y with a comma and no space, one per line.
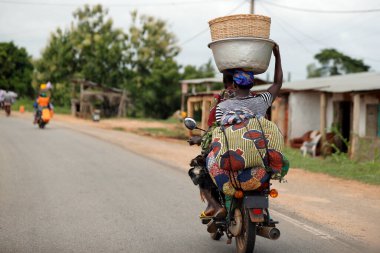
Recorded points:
243,78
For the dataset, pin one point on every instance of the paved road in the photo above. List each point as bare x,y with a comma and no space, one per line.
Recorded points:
62,191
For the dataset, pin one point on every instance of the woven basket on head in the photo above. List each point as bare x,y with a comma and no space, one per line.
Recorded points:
241,25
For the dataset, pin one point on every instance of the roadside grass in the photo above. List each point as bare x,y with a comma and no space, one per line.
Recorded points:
28,106
176,133
336,165
26,102
62,110
171,120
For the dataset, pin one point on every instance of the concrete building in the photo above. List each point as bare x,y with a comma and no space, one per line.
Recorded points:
350,102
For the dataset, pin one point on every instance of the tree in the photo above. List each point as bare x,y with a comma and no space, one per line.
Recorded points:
154,84
333,62
15,69
99,48
192,72
90,49
141,61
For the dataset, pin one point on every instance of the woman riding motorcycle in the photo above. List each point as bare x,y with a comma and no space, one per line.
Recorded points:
242,83
43,101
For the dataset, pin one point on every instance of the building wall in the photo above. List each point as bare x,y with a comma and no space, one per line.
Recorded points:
364,101
304,108
366,138
279,114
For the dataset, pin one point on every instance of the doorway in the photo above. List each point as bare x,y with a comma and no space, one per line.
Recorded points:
342,120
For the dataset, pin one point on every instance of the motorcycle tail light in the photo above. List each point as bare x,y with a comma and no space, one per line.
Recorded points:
257,211
273,193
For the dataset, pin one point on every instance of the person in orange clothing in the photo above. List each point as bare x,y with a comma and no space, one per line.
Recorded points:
43,101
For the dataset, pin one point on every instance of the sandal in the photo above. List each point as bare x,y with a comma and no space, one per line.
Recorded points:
205,219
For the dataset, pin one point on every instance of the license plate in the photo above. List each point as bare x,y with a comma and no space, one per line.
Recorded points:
258,201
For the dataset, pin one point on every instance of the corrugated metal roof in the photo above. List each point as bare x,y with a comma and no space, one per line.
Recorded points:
203,80
336,84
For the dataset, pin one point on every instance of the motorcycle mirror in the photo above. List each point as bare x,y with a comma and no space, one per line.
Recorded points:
190,123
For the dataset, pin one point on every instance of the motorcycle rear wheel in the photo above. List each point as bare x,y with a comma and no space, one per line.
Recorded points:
245,242
41,125
8,111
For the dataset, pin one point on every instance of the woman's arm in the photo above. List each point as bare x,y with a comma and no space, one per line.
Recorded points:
277,80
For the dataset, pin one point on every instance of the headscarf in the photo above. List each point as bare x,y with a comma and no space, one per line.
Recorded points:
243,78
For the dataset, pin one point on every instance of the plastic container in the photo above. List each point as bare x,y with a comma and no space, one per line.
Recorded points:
251,54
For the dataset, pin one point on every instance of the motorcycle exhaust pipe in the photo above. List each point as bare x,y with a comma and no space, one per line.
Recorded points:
269,232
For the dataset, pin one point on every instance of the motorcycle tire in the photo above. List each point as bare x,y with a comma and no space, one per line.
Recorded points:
41,125
7,111
216,236
245,242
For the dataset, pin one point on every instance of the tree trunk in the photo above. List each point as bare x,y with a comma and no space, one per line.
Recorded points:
123,101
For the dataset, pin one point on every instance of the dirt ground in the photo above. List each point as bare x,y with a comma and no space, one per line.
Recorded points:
350,207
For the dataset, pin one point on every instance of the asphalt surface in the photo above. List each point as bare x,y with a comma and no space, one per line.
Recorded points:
63,191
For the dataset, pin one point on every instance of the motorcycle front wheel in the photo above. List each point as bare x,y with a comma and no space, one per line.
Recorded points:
245,242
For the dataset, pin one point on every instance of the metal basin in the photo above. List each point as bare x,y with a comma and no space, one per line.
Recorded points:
246,53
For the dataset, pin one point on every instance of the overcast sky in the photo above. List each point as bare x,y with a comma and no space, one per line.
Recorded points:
300,34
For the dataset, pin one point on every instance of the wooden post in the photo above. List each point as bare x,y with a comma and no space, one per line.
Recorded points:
81,100
123,102
322,116
252,7
355,126
205,112
190,111
190,108
184,91
208,87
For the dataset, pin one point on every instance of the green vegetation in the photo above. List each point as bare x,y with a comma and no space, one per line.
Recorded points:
26,102
140,61
333,62
171,120
15,69
62,109
336,165
177,133
28,106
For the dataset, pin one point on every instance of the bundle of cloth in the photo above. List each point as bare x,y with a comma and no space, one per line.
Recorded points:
246,151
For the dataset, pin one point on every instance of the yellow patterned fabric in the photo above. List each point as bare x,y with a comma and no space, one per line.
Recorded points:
243,157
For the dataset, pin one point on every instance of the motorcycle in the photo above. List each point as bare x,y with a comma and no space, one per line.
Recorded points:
7,108
248,214
43,117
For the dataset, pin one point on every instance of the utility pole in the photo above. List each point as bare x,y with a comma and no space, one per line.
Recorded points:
252,9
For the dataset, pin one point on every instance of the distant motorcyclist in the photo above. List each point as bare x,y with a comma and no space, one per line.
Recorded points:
8,101
2,94
43,101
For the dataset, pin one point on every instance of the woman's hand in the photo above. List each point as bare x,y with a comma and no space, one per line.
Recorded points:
195,140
